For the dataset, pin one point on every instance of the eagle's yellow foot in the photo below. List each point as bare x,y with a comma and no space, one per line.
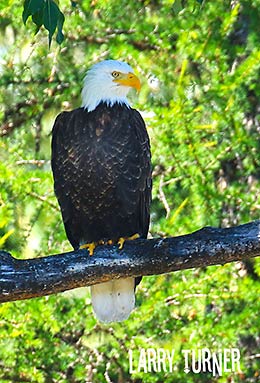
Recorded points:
90,246
122,240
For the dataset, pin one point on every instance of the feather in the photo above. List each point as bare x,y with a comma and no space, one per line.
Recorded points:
113,301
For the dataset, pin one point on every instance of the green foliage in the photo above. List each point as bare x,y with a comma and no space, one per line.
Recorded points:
46,13
199,66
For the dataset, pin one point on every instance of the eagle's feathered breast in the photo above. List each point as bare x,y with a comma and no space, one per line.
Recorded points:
102,173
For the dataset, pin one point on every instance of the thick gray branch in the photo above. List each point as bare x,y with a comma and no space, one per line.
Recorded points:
22,279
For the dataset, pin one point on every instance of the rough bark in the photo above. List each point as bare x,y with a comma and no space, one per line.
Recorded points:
22,279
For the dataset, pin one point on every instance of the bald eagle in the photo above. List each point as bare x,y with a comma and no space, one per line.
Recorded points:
101,165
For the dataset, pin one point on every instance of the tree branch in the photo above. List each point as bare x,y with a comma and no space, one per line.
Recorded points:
22,279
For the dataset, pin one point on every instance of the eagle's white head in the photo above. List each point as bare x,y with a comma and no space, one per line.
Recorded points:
108,81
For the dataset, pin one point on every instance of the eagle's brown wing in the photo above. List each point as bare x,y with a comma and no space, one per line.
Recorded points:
101,165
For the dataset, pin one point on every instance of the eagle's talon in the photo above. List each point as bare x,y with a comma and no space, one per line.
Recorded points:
122,240
133,237
90,246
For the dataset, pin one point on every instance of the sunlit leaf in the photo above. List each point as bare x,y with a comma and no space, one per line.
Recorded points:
4,238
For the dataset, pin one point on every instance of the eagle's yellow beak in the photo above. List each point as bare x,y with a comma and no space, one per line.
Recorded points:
129,79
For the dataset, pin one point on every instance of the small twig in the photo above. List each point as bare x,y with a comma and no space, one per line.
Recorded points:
162,197
32,162
256,356
43,199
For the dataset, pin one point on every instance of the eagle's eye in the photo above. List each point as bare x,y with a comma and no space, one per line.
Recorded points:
115,74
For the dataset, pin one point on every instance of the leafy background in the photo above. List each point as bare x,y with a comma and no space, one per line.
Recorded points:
199,65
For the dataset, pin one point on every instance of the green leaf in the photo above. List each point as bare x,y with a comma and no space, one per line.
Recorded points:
38,19
53,18
31,7
60,35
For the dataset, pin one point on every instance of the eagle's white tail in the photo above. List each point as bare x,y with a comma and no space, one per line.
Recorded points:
113,301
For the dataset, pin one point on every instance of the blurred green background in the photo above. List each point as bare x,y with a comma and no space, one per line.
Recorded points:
200,66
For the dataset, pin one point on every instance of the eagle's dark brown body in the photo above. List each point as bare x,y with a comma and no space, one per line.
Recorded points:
101,164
